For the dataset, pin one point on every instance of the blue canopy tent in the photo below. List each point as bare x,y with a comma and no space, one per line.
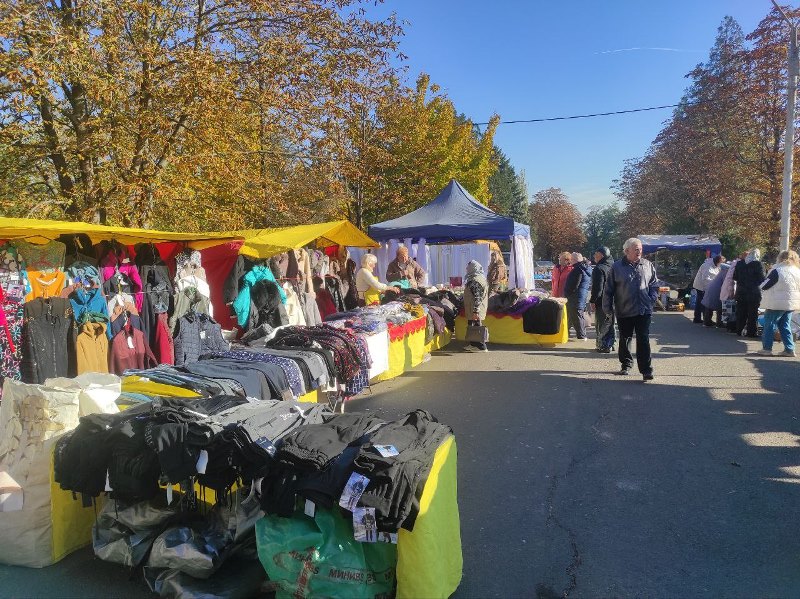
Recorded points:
455,216
706,243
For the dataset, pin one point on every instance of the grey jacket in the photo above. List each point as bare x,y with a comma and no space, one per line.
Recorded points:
476,297
631,289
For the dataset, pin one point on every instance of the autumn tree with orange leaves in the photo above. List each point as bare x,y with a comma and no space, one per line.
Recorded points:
556,224
188,114
717,165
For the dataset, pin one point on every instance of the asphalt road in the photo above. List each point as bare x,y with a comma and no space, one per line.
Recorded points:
575,482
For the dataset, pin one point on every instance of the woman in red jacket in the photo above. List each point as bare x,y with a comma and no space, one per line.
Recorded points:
560,273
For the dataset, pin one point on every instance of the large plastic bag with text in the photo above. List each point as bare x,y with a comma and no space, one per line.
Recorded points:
318,557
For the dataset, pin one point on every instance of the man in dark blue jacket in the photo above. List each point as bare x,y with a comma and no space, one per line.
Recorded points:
631,290
576,290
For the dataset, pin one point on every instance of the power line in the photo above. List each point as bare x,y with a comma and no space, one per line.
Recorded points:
588,116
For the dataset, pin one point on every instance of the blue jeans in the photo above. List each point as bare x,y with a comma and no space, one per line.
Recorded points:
781,319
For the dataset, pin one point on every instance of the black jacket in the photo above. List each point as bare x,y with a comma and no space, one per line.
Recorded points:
599,276
748,277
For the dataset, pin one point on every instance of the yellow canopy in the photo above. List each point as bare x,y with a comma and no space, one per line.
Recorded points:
264,243
21,228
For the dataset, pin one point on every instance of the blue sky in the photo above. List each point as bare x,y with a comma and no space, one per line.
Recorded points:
545,58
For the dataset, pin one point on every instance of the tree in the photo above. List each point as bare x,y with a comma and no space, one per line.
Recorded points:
556,223
401,146
508,189
195,113
602,225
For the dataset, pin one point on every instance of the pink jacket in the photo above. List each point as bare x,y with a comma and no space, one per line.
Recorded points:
109,266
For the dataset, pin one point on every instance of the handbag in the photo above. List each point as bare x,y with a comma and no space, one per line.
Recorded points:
476,334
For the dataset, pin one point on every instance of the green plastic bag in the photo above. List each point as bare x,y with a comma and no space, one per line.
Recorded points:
318,557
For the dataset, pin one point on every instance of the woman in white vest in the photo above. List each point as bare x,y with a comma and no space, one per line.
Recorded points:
781,297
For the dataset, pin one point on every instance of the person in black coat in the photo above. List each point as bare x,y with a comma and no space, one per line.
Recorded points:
748,275
576,290
603,322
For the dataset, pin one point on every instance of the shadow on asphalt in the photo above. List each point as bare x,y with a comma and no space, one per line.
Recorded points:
578,486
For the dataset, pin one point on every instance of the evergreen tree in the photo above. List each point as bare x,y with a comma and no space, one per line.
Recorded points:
509,190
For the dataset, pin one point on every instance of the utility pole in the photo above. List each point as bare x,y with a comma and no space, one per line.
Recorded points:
788,143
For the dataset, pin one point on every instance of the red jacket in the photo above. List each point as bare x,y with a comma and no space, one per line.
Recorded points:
560,274
123,357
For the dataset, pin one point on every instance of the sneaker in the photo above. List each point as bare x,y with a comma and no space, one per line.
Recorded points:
764,352
471,348
647,377
789,353
623,372
604,350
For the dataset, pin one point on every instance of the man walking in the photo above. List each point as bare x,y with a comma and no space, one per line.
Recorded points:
603,321
631,290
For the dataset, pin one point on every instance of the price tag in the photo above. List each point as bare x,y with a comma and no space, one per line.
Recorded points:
169,494
310,508
386,451
355,487
202,462
202,334
130,342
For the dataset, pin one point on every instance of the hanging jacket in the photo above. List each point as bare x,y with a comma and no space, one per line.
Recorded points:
197,334
163,346
84,301
188,300
91,348
48,339
129,350
241,305
158,290
266,307
577,285
119,273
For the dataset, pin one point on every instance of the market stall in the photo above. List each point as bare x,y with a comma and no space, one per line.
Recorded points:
200,358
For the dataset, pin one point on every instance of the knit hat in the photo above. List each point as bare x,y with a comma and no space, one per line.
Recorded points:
604,251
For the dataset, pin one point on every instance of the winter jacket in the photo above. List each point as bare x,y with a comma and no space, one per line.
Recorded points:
129,350
197,334
785,293
631,289
748,277
187,301
266,307
705,274
711,298
92,348
560,274
241,305
599,277
47,336
84,301
476,297
114,263
410,271
577,285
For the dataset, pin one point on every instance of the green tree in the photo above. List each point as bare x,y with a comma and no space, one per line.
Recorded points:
508,189
602,225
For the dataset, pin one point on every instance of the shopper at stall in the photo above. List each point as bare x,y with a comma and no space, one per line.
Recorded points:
603,321
748,276
369,288
705,274
712,304
576,290
631,290
476,300
781,297
403,268
498,272
560,273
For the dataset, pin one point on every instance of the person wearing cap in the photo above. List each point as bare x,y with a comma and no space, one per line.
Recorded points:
603,321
